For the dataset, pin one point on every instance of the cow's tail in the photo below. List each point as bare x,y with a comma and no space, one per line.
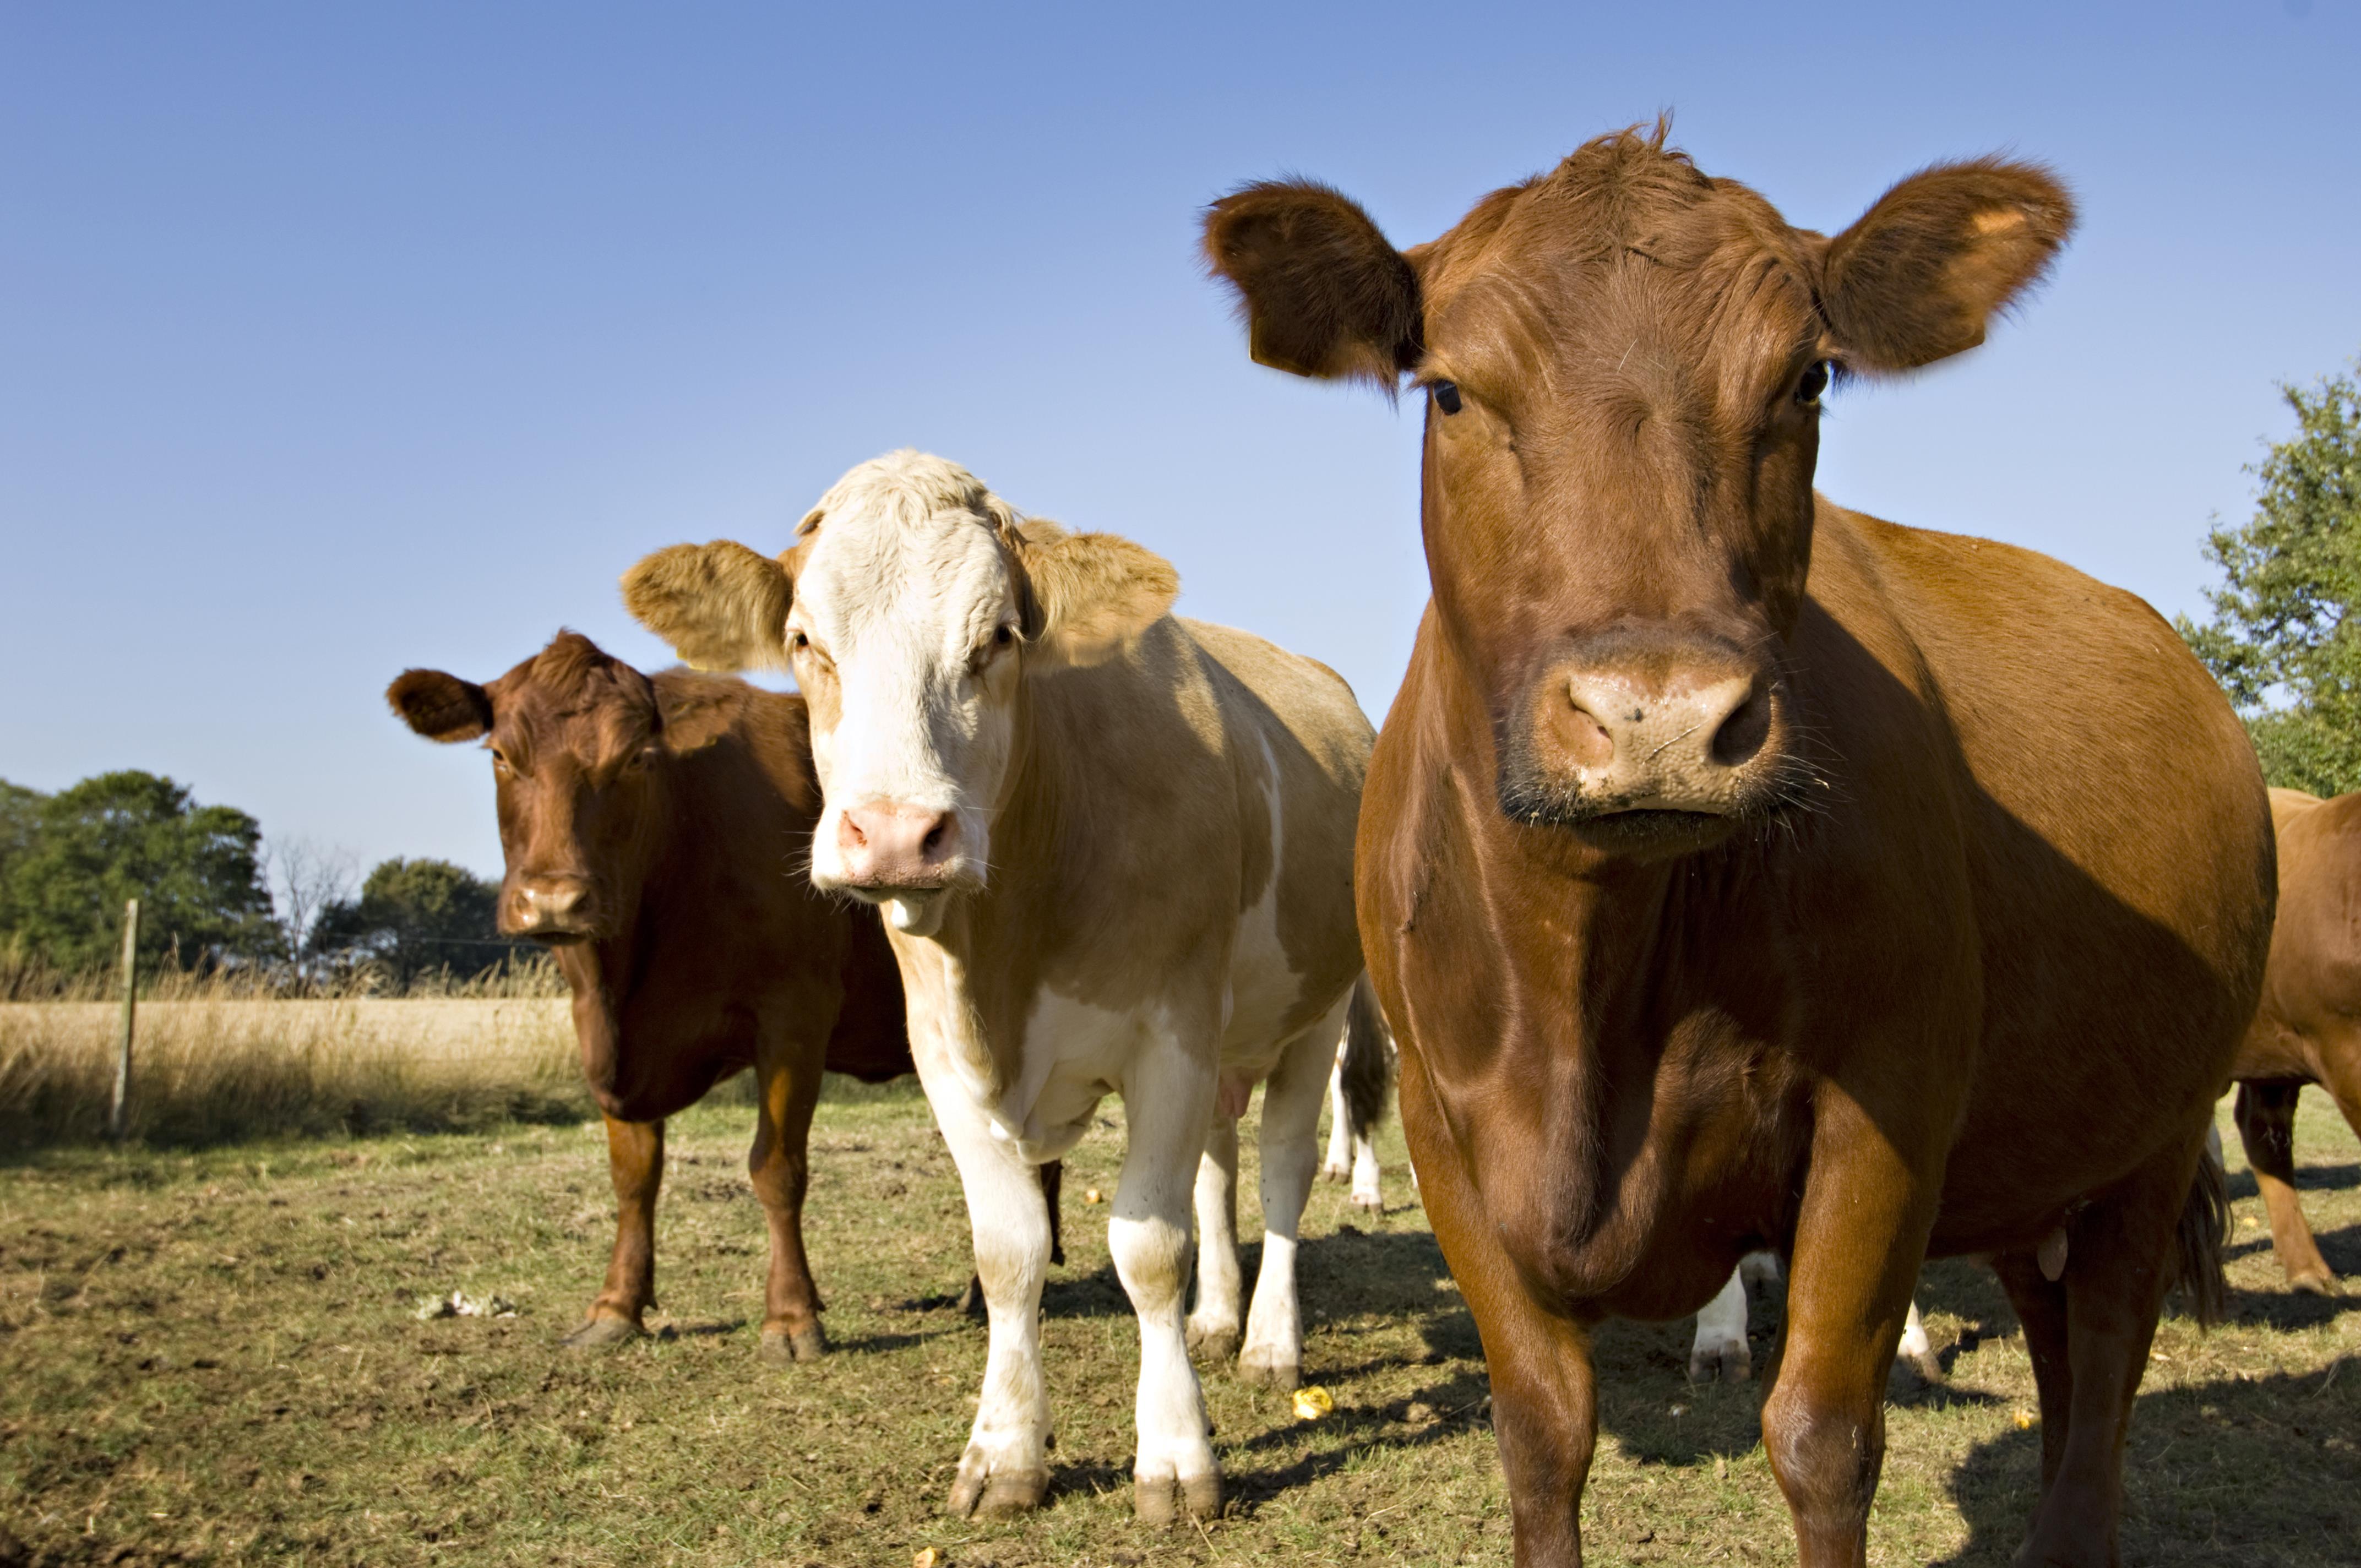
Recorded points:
2203,1233
1368,1070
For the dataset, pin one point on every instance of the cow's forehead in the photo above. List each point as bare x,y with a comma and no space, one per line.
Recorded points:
908,544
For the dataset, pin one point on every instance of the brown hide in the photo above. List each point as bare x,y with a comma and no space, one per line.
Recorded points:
655,830
1738,871
2308,1028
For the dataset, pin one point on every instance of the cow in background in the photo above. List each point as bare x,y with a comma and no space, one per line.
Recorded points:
655,830
1115,852
2307,1029
1358,1089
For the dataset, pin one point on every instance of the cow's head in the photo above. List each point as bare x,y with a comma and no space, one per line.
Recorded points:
912,607
1624,362
579,743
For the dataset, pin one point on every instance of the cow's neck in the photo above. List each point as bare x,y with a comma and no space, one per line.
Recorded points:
1600,975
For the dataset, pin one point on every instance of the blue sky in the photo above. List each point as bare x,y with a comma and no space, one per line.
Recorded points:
335,339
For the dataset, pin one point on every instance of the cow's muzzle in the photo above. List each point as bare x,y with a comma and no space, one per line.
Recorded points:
553,909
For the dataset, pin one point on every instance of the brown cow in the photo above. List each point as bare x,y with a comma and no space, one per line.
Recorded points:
1738,871
2305,1031
656,829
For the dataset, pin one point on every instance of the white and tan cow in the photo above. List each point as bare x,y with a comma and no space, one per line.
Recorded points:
1114,851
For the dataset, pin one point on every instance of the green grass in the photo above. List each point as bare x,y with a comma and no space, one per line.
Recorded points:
211,1357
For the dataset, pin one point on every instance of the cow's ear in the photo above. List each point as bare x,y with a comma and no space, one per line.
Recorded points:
693,711
720,606
1089,595
441,707
1920,275
1323,293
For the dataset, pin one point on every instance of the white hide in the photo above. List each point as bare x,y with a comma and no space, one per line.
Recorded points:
1720,1349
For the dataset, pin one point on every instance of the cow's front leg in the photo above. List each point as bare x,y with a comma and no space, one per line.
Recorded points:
1215,1324
1005,1469
1290,1123
1545,1400
636,1161
779,1166
1858,1239
1169,1102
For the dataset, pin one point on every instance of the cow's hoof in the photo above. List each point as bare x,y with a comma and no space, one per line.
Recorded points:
1164,1500
1336,1170
603,1334
1730,1363
1369,1203
996,1495
2316,1284
1929,1366
780,1348
1267,1369
1217,1345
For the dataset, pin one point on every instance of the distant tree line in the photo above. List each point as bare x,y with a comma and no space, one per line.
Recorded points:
2285,639
213,896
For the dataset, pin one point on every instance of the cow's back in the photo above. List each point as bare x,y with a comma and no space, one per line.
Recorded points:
1298,716
2115,832
2312,991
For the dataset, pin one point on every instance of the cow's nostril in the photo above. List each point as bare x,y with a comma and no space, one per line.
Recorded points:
1742,735
933,840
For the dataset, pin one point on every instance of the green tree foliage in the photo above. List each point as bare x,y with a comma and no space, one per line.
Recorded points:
416,916
2284,641
69,860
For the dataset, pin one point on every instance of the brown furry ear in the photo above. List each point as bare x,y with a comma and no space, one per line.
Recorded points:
1324,294
693,711
1919,276
720,606
1092,593
440,707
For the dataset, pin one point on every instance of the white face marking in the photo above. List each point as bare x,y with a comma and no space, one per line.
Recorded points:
902,634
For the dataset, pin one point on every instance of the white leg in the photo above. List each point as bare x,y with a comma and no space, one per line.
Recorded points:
1213,1326
1917,1350
1169,1099
1005,1469
1291,1125
1340,1137
1759,1268
1367,1193
1721,1335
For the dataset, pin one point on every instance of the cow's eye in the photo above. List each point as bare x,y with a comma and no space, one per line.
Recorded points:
500,763
1445,395
798,641
1004,637
1815,381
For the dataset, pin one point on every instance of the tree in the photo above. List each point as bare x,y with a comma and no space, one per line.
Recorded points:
415,917
2284,641
69,860
305,881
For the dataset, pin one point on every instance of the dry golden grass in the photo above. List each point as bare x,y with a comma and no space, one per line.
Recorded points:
214,1065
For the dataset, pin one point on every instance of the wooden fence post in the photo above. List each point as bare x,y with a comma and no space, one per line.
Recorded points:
116,1112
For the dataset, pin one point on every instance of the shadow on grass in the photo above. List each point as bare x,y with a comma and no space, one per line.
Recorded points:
2257,1471
2308,1179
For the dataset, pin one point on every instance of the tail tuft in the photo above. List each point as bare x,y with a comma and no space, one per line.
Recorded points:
2197,1246
1369,1069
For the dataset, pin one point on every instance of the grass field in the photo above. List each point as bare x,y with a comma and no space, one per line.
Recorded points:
213,1356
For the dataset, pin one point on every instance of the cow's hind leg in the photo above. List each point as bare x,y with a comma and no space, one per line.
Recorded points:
1006,1467
1273,1354
2117,1264
1720,1349
1169,1099
636,1161
780,1166
1341,1151
2266,1116
1215,1326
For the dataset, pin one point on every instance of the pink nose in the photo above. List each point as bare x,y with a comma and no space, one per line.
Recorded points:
891,845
